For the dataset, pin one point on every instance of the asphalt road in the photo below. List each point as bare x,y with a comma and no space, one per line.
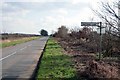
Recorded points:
19,62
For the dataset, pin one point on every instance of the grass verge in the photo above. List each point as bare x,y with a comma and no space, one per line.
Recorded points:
55,64
12,43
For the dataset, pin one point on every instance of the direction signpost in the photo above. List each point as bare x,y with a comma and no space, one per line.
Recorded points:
90,23
98,24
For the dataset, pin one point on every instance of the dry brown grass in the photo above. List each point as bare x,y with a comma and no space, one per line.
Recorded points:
101,70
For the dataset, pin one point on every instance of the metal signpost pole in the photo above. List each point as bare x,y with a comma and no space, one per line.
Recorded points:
98,24
100,50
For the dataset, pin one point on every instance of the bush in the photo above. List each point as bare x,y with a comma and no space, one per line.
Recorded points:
62,32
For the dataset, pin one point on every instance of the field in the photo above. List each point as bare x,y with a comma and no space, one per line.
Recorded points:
55,64
13,42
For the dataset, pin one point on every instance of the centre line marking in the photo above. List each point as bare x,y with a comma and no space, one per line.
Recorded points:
8,56
12,54
23,48
29,45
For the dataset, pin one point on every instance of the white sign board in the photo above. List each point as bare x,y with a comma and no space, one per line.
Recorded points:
90,23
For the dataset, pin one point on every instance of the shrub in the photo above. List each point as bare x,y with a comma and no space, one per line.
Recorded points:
62,32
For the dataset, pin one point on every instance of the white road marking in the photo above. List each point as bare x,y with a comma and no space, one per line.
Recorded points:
23,48
8,56
29,45
12,53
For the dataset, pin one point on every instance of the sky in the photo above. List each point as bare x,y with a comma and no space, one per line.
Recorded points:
30,16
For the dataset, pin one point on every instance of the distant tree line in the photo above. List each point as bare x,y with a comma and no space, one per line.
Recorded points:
5,36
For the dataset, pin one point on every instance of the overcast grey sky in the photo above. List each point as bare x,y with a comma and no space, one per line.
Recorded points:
30,16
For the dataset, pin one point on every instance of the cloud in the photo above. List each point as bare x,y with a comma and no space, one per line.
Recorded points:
35,0
24,12
19,25
79,1
30,16
10,9
60,11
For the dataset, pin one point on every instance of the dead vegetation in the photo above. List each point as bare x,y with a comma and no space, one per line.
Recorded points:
83,45
101,70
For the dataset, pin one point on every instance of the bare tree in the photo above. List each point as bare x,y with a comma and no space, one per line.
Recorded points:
110,14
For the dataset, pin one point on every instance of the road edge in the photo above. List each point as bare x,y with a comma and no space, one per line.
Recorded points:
33,76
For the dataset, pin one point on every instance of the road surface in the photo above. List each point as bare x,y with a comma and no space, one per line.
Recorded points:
19,62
